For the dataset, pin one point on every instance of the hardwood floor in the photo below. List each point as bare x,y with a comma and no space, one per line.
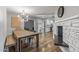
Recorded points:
46,44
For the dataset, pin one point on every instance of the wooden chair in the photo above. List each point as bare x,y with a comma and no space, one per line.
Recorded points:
9,42
30,41
27,42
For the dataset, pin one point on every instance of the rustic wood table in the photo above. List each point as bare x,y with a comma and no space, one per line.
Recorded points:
19,34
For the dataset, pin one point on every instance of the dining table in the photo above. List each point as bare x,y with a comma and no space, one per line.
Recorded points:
19,34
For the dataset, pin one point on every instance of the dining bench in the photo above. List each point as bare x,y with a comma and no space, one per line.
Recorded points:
9,42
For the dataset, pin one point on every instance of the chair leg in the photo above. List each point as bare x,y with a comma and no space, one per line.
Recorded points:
6,49
31,42
28,41
15,48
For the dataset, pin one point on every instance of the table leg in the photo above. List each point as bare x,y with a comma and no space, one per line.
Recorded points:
37,40
18,45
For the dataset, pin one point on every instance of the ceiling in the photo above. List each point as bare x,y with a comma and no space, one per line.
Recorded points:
33,10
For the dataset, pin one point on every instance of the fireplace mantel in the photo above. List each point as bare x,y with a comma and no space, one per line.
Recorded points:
67,19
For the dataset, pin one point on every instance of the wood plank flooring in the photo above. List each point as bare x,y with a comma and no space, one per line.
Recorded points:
46,44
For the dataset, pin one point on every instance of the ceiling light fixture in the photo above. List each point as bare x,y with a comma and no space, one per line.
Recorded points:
24,16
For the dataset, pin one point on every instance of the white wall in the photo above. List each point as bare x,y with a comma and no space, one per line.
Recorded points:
9,28
3,27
